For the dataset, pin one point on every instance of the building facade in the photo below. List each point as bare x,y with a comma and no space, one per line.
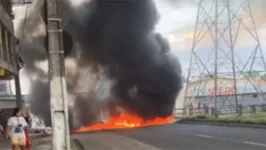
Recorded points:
8,67
8,63
202,91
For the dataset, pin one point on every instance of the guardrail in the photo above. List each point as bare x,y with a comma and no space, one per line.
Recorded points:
211,111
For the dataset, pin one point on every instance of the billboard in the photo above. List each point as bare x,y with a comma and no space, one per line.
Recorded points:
228,90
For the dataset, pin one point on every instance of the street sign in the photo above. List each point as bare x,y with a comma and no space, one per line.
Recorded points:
2,72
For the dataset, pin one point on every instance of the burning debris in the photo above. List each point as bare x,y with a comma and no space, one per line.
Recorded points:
126,120
130,68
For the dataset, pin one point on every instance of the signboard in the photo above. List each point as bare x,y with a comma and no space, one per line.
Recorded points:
225,90
2,72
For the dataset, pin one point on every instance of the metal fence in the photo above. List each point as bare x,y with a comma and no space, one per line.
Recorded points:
210,111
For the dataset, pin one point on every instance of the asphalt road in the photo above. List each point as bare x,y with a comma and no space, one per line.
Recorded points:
176,137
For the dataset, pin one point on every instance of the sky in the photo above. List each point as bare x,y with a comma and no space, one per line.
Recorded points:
177,24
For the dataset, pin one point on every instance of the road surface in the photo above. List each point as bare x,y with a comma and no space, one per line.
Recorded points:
176,137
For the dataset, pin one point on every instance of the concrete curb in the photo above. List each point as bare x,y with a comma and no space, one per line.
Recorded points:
199,122
76,143
45,143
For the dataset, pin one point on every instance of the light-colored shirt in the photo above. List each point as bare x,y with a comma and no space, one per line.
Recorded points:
17,125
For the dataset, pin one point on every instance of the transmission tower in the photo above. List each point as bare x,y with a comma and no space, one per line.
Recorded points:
221,69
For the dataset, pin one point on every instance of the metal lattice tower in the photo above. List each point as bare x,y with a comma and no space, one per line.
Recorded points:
223,27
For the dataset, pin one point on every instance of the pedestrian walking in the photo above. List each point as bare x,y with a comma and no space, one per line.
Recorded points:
16,126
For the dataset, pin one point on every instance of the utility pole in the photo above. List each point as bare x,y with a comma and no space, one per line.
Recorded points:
18,91
58,93
17,79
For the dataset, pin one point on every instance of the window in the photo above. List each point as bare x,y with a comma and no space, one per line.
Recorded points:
10,49
4,43
6,52
3,89
7,49
1,42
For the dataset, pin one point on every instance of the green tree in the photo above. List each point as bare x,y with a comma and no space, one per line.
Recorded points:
252,74
263,77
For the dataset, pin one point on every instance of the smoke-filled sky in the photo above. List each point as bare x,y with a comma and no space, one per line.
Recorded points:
177,23
117,60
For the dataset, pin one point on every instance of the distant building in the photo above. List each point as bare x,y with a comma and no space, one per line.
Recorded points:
202,91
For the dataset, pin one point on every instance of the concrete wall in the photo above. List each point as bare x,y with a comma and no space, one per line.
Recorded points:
180,98
7,104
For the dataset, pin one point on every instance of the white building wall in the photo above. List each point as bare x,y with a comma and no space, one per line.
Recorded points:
248,95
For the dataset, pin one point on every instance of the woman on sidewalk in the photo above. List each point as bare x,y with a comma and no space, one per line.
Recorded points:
16,130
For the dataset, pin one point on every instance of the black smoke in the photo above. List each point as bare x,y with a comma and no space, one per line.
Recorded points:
118,36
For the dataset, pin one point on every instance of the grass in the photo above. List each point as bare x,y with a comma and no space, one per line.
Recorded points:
258,118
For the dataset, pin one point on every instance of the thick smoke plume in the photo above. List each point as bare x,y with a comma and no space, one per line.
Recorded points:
114,41
118,35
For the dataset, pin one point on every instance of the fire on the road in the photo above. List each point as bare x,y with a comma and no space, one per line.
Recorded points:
126,121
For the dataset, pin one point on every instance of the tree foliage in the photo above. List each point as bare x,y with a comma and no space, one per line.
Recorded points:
252,74
263,77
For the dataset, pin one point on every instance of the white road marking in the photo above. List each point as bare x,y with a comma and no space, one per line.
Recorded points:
232,140
204,136
255,144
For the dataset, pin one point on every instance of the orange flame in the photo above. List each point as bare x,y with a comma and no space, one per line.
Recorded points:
126,121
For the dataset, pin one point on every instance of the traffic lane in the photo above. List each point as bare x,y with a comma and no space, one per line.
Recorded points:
166,138
235,133
162,141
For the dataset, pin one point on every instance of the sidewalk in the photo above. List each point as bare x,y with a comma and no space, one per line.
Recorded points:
42,143
38,143
5,145
109,141
45,143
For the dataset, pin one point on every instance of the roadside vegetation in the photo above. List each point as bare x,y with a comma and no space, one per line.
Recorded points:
258,118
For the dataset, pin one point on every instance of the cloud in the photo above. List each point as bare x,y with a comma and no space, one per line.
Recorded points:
178,26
